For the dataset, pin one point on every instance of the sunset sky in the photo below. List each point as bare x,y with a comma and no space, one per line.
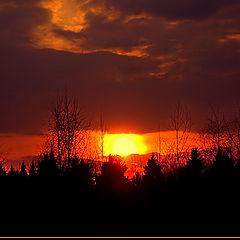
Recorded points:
130,60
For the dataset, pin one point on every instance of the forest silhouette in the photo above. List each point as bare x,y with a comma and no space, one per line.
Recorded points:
63,194
195,199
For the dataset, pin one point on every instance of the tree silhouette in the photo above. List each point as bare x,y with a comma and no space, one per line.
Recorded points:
67,129
32,169
23,171
12,172
48,166
181,125
137,180
223,166
2,169
116,200
112,175
103,130
214,133
195,165
153,175
81,172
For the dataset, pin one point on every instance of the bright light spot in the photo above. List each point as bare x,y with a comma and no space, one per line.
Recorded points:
124,144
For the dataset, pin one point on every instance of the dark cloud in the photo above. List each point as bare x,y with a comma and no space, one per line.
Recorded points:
104,34
95,77
171,9
192,61
18,19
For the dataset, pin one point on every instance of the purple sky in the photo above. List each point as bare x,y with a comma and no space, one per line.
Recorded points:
132,60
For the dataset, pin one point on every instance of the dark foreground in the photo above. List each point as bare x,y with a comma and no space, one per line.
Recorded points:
195,200
48,208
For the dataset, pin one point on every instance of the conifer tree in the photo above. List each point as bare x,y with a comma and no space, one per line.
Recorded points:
12,172
32,169
195,165
223,166
137,180
112,175
153,172
48,166
2,170
23,171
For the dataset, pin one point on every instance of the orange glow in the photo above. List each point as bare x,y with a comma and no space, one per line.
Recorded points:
72,15
66,14
124,144
18,146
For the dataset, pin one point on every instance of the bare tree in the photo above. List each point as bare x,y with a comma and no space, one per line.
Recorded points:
214,135
215,130
68,128
103,131
159,144
2,162
181,125
233,129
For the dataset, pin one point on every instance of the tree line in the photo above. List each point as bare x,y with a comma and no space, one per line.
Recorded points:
183,193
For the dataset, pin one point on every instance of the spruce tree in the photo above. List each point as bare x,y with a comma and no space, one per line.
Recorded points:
195,164
153,175
2,170
11,172
223,166
23,171
32,169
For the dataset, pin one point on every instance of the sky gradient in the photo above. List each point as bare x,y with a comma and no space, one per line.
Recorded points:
130,60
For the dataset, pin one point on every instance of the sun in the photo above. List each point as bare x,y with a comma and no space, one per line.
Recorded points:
124,144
